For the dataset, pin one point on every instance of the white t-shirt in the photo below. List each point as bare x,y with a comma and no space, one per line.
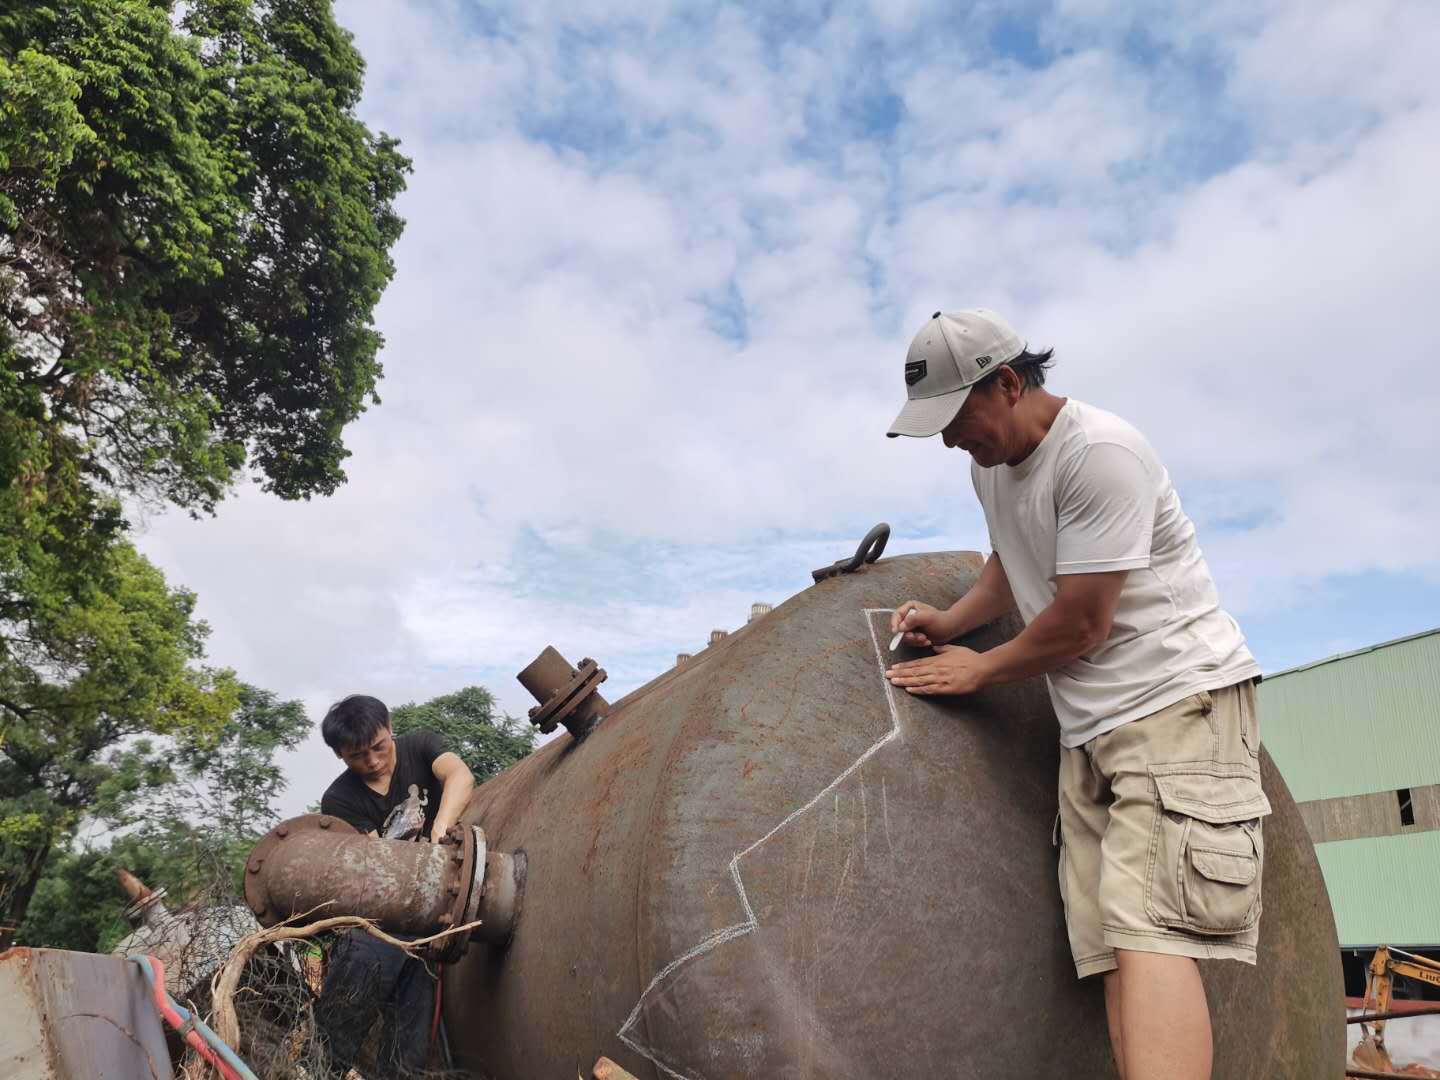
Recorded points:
1093,497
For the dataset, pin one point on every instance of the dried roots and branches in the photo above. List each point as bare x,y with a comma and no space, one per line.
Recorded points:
262,997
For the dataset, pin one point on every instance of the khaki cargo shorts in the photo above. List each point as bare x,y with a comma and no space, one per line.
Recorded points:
1159,834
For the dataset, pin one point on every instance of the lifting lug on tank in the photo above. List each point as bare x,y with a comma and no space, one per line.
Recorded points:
870,549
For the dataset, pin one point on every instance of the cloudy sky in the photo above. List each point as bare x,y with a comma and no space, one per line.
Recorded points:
663,261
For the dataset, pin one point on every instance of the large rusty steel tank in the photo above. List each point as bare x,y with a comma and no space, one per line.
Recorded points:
769,863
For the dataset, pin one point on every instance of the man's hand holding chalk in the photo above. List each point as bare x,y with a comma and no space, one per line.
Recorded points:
895,641
915,624
951,670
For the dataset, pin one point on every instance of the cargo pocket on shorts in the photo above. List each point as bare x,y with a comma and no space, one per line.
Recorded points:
1207,851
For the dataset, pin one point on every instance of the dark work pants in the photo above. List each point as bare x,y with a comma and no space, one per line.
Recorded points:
367,977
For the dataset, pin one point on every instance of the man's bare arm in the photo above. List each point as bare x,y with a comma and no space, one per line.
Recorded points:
459,782
987,600
1076,622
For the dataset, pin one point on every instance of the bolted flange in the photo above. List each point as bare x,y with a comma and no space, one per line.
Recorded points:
567,695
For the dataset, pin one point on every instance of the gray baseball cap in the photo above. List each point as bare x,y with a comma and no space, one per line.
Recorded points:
951,353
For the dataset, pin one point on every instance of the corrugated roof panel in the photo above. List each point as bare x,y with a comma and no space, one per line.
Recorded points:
1383,889
1363,722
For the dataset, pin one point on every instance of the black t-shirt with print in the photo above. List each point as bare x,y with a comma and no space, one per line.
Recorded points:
350,799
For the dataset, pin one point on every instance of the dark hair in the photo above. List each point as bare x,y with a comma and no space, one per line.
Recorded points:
1030,366
353,722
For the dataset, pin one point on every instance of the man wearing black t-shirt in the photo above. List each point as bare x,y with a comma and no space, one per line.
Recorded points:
405,787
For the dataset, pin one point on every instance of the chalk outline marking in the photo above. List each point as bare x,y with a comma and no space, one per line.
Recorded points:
751,923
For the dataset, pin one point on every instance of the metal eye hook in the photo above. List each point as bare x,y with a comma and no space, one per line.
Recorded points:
870,549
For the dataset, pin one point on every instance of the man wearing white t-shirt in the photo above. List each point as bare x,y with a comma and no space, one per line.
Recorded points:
1161,848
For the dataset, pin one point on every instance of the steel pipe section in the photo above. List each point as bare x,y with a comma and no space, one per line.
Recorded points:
317,866
767,862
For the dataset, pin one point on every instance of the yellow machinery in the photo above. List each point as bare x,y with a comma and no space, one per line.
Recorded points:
1384,966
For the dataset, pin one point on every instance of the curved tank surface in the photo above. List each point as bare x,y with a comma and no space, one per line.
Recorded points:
767,862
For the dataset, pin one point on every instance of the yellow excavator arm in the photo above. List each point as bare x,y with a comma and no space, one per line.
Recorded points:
1384,966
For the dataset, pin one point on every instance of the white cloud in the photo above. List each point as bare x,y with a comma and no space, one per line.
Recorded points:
659,275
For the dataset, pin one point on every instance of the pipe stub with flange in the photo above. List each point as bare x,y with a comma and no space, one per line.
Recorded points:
567,695
317,866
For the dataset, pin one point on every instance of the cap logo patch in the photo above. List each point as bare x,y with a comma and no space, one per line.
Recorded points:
914,371
982,361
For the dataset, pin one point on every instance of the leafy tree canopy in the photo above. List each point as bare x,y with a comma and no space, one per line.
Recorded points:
78,904
487,741
228,785
118,667
194,232
189,830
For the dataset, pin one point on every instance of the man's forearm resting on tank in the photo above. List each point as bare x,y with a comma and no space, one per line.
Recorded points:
1076,622
987,600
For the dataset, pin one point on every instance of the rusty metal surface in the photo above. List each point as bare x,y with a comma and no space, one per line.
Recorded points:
322,865
498,903
313,867
192,943
67,1015
783,868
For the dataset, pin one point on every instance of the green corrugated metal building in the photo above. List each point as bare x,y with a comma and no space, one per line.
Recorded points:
1357,738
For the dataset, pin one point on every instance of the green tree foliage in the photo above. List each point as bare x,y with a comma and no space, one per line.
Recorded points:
194,232
190,834
226,787
232,782
78,904
116,668
487,741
